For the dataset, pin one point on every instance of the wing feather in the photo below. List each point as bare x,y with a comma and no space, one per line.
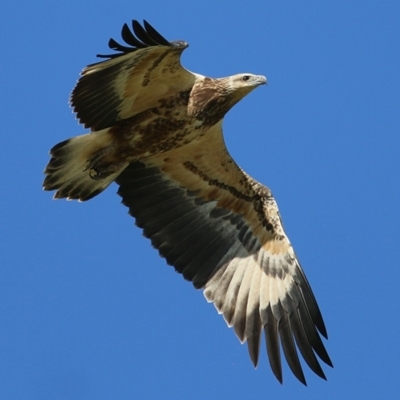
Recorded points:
253,320
154,34
222,230
272,341
143,35
240,314
288,345
130,38
132,80
303,343
230,295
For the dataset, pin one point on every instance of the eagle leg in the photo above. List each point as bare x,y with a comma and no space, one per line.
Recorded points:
99,173
100,167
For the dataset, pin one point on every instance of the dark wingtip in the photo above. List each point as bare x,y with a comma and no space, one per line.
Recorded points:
320,324
137,38
155,34
328,361
273,347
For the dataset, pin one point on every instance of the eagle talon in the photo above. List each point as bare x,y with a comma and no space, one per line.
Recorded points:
94,174
99,172
95,159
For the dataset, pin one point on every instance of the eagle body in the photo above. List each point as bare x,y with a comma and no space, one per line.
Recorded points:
175,121
156,130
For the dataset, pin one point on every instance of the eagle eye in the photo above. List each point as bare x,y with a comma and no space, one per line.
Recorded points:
245,78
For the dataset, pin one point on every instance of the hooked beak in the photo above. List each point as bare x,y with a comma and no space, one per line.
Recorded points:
262,80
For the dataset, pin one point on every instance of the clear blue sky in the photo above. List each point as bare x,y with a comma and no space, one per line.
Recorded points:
88,310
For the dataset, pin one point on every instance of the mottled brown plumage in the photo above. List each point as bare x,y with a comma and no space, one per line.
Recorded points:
156,130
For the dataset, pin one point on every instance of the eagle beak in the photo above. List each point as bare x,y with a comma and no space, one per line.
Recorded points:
262,80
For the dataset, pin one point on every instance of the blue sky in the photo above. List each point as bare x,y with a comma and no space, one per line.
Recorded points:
88,310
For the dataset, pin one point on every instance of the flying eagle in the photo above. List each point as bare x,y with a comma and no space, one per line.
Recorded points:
156,130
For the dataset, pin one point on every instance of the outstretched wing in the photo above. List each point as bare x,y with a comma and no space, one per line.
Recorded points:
222,231
133,80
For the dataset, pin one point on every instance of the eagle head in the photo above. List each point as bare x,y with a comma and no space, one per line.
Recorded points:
242,84
212,98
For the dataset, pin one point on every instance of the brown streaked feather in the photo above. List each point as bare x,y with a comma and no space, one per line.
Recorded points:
207,100
130,83
222,230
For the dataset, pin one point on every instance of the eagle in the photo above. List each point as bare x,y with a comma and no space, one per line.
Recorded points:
156,130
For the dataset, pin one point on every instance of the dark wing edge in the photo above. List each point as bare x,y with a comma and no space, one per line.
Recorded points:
215,249
146,36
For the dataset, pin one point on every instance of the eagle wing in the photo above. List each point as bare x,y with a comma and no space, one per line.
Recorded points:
132,80
221,230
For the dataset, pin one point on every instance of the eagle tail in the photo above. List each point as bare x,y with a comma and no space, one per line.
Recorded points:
70,172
